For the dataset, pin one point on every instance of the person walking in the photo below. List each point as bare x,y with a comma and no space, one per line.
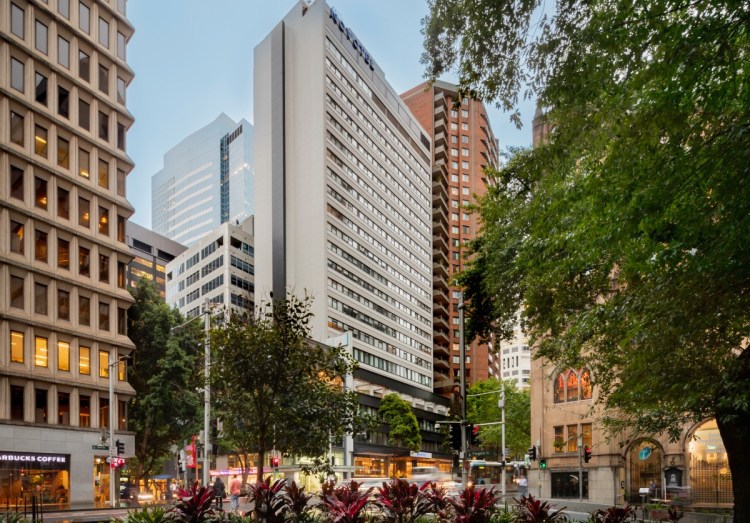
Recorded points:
219,493
235,488
523,486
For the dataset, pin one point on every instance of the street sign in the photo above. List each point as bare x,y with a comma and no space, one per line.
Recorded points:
99,447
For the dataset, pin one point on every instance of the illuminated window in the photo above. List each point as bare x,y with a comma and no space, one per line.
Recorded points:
40,193
63,355
84,212
84,360
84,163
572,386
63,153
40,246
572,438
63,254
103,364
16,346
560,388
40,351
586,384
121,370
104,221
84,262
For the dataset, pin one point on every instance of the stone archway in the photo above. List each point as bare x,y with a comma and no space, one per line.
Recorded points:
644,460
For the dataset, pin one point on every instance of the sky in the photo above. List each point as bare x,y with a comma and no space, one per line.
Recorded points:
193,59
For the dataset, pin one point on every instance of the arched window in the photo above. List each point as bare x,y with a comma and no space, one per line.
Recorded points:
560,388
572,385
586,384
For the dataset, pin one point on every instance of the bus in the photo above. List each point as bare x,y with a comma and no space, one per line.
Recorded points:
489,474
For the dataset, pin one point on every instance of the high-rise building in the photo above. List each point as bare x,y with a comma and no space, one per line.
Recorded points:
218,268
151,254
207,180
63,255
464,145
344,212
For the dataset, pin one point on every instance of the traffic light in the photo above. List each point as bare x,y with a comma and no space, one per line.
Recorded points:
120,447
275,461
532,453
455,436
542,463
474,435
587,453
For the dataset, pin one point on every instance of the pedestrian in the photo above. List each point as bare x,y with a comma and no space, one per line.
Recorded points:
235,489
219,493
523,486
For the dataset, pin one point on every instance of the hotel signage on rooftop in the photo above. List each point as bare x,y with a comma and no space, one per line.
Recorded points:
333,15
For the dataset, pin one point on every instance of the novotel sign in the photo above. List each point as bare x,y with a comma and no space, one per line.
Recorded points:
333,15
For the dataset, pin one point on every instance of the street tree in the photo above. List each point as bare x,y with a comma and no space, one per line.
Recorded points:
626,234
403,427
485,408
163,374
274,388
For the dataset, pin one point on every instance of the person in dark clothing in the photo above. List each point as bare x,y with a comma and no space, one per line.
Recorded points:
220,493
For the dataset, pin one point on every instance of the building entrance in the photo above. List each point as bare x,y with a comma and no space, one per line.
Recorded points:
645,458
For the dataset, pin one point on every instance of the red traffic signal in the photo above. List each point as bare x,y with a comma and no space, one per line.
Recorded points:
587,453
474,435
275,461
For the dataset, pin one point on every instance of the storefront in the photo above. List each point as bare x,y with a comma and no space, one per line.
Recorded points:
27,474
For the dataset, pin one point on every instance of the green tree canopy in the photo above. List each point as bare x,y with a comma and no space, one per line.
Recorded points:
485,408
626,234
403,425
275,388
163,374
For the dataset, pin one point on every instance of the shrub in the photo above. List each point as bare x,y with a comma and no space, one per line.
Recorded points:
402,502
298,504
12,517
146,515
614,515
474,505
345,504
268,499
531,510
194,505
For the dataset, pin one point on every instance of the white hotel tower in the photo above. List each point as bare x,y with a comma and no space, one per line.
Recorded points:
343,197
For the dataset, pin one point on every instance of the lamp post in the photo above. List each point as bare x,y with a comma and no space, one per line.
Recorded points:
112,420
462,370
206,388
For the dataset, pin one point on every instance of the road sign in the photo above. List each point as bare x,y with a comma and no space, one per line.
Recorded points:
99,447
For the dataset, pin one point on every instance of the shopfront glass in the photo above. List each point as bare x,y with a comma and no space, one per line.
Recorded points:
27,475
710,477
101,481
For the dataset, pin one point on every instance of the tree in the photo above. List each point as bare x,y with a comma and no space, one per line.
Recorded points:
275,388
163,374
403,424
626,235
486,409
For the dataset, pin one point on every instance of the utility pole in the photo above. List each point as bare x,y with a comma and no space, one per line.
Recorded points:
502,420
580,468
207,448
462,370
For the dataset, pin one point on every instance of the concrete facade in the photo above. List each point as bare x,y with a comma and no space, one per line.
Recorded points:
151,254
63,254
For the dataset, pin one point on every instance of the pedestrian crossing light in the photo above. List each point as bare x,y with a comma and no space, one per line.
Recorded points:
120,447
587,453
542,463
532,453
275,462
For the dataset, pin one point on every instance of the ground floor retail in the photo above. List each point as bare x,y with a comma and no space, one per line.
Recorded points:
58,468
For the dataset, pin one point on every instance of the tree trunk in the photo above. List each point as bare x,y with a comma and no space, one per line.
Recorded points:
261,460
736,435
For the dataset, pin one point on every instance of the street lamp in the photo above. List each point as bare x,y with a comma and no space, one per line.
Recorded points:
462,370
112,420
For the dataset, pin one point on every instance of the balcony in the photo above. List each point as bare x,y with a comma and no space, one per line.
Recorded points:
440,140
439,125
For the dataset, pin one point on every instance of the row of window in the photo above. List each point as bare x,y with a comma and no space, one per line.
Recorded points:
391,368
62,203
42,304
572,385
44,413
566,437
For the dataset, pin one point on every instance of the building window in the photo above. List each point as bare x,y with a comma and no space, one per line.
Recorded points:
84,163
84,360
40,351
63,356
63,305
63,254
17,21
104,221
104,316
103,174
84,117
104,32
122,407
572,386
121,177
41,37
120,136
84,310
121,370
40,193
586,388
17,75
103,126
63,102
16,183
572,441
104,412
40,246
40,141
120,91
464,151
559,441
121,271
63,7
103,268
63,52
16,346
84,261
464,113
121,220
121,45
122,321
16,237
121,6
84,212
63,153
84,411
40,299
103,79
84,17
63,408
16,402
16,128
40,404
103,364
84,66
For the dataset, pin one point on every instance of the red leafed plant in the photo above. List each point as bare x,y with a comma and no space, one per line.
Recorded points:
402,502
268,500
194,505
298,502
474,505
531,510
437,497
614,515
345,504
674,515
